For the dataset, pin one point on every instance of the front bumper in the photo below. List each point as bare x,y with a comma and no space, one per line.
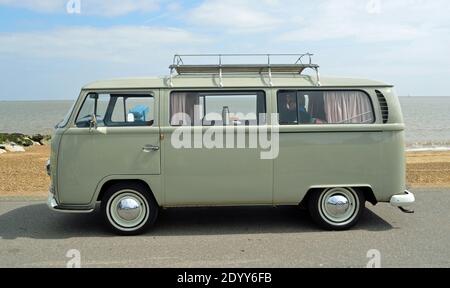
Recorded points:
53,204
403,200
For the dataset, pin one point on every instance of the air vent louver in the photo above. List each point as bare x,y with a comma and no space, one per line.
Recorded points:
384,106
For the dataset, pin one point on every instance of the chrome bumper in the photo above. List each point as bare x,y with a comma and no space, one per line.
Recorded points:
52,203
403,200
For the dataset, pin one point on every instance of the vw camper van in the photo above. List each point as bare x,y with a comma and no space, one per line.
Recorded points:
227,134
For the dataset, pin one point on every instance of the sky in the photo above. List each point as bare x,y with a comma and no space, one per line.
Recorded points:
49,49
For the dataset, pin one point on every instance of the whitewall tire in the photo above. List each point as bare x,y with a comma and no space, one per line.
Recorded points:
129,209
336,208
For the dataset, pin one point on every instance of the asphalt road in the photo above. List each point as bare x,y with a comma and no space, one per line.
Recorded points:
33,236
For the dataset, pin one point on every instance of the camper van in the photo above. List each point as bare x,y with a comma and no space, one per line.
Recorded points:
216,133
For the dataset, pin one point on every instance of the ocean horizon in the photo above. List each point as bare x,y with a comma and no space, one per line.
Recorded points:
427,119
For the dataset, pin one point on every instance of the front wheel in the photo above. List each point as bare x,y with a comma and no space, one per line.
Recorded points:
336,208
129,209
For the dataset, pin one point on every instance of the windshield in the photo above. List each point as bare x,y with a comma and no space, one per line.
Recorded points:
64,122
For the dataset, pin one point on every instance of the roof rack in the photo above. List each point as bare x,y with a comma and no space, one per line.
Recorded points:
267,68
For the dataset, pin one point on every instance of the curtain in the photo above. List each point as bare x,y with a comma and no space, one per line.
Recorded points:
347,107
178,109
182,108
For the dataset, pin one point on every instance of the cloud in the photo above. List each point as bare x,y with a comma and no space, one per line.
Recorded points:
116,44
40,6
118,7
234,16
370,21
400,41
89,7
299,21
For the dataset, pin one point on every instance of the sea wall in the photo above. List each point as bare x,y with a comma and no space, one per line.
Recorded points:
16,142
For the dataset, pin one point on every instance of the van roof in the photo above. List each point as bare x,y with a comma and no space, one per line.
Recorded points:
217,71
232,81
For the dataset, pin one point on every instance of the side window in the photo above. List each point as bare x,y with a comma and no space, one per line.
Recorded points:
324,107
117,110
217,108
131,110
93,104
230,110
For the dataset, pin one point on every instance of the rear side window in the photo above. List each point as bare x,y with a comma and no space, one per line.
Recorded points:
324,107
211,108
115,110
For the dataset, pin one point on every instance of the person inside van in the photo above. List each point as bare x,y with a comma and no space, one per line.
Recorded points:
303,116
293,110
287,108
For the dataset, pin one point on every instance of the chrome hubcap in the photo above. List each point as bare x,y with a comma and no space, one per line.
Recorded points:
128,209
338,206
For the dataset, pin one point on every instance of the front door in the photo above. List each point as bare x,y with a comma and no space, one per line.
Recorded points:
123,139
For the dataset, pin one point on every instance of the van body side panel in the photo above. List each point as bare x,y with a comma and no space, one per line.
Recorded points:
393,150
88,156
77,174
199,177
321,159
153,181
393,172
371,155
214,177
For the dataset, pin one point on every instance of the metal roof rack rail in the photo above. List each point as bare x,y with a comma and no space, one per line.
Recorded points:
220,68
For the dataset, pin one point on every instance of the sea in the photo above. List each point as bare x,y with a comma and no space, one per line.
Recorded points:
427,119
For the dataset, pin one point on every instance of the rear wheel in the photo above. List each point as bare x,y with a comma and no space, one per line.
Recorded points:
336,208
128,208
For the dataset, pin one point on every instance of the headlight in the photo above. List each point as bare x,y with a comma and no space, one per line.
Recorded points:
48,168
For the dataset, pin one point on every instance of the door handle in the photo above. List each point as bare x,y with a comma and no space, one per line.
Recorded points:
150,148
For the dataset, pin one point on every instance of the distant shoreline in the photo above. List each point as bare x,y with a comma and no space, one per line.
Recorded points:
428,149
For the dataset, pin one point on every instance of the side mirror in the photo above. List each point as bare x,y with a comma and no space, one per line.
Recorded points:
93,123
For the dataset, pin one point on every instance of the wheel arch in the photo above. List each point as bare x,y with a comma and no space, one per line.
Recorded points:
108,183
365,189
